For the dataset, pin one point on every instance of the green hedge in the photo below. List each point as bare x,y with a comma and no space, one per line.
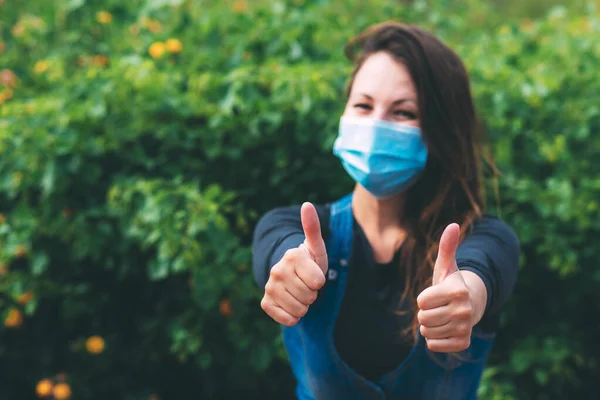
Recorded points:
133,169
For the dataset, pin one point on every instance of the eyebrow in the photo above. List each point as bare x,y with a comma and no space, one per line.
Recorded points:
397,102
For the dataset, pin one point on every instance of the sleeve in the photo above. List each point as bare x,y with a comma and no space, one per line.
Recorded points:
276,232
491,251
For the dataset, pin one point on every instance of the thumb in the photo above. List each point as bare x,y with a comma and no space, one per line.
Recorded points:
445,264
312,231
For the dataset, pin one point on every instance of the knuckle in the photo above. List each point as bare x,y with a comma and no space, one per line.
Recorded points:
433,346
463,330
267,307
291,255
319,281
460,293
422,300
312,276
289,321
303,309
425,318
278,272
464,313
464,343
270,288
312,296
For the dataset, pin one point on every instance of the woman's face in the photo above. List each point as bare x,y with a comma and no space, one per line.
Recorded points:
383,90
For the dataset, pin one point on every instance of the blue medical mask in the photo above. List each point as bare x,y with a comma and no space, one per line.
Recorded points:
384,157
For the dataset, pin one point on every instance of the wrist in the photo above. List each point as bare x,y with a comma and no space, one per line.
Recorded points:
477,295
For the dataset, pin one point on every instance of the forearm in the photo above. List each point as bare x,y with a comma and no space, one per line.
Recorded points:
291,241
491,252
267,254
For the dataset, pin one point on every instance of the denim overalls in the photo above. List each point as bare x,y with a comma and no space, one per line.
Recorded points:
320,372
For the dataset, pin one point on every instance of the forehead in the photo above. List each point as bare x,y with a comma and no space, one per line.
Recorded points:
383,76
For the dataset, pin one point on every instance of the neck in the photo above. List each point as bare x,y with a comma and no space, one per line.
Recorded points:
377,215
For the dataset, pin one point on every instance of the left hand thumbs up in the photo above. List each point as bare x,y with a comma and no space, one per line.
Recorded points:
445,308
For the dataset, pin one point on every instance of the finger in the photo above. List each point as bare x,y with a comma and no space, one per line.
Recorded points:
446,331
312,232
440,332
443,294
290,304
304,294
277,313
449,345
434,317
310,273
445,263
432,297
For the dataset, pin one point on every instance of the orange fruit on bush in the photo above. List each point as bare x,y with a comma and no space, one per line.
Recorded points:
44,388
156,49
41,66
94,344
21,251
174,46
153,26
104,17
8,78
62,391
25,298
225,307
14,318
100,60
240,6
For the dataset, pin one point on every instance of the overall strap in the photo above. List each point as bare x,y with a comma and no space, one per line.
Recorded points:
339,243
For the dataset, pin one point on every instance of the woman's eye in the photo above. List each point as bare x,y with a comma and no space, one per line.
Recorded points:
362,106
405,114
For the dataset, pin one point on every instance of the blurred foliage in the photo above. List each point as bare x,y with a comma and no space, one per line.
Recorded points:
538,8
141,140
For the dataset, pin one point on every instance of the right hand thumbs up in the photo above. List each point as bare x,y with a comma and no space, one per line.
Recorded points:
295,280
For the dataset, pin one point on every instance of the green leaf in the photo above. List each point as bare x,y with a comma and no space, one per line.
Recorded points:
158,269
73,5
39,264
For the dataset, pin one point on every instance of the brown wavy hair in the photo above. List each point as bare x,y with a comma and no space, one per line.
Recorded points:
450,188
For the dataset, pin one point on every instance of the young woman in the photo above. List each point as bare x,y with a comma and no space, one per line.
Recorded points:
394,291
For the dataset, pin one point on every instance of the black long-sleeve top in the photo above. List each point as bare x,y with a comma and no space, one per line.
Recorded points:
372,294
